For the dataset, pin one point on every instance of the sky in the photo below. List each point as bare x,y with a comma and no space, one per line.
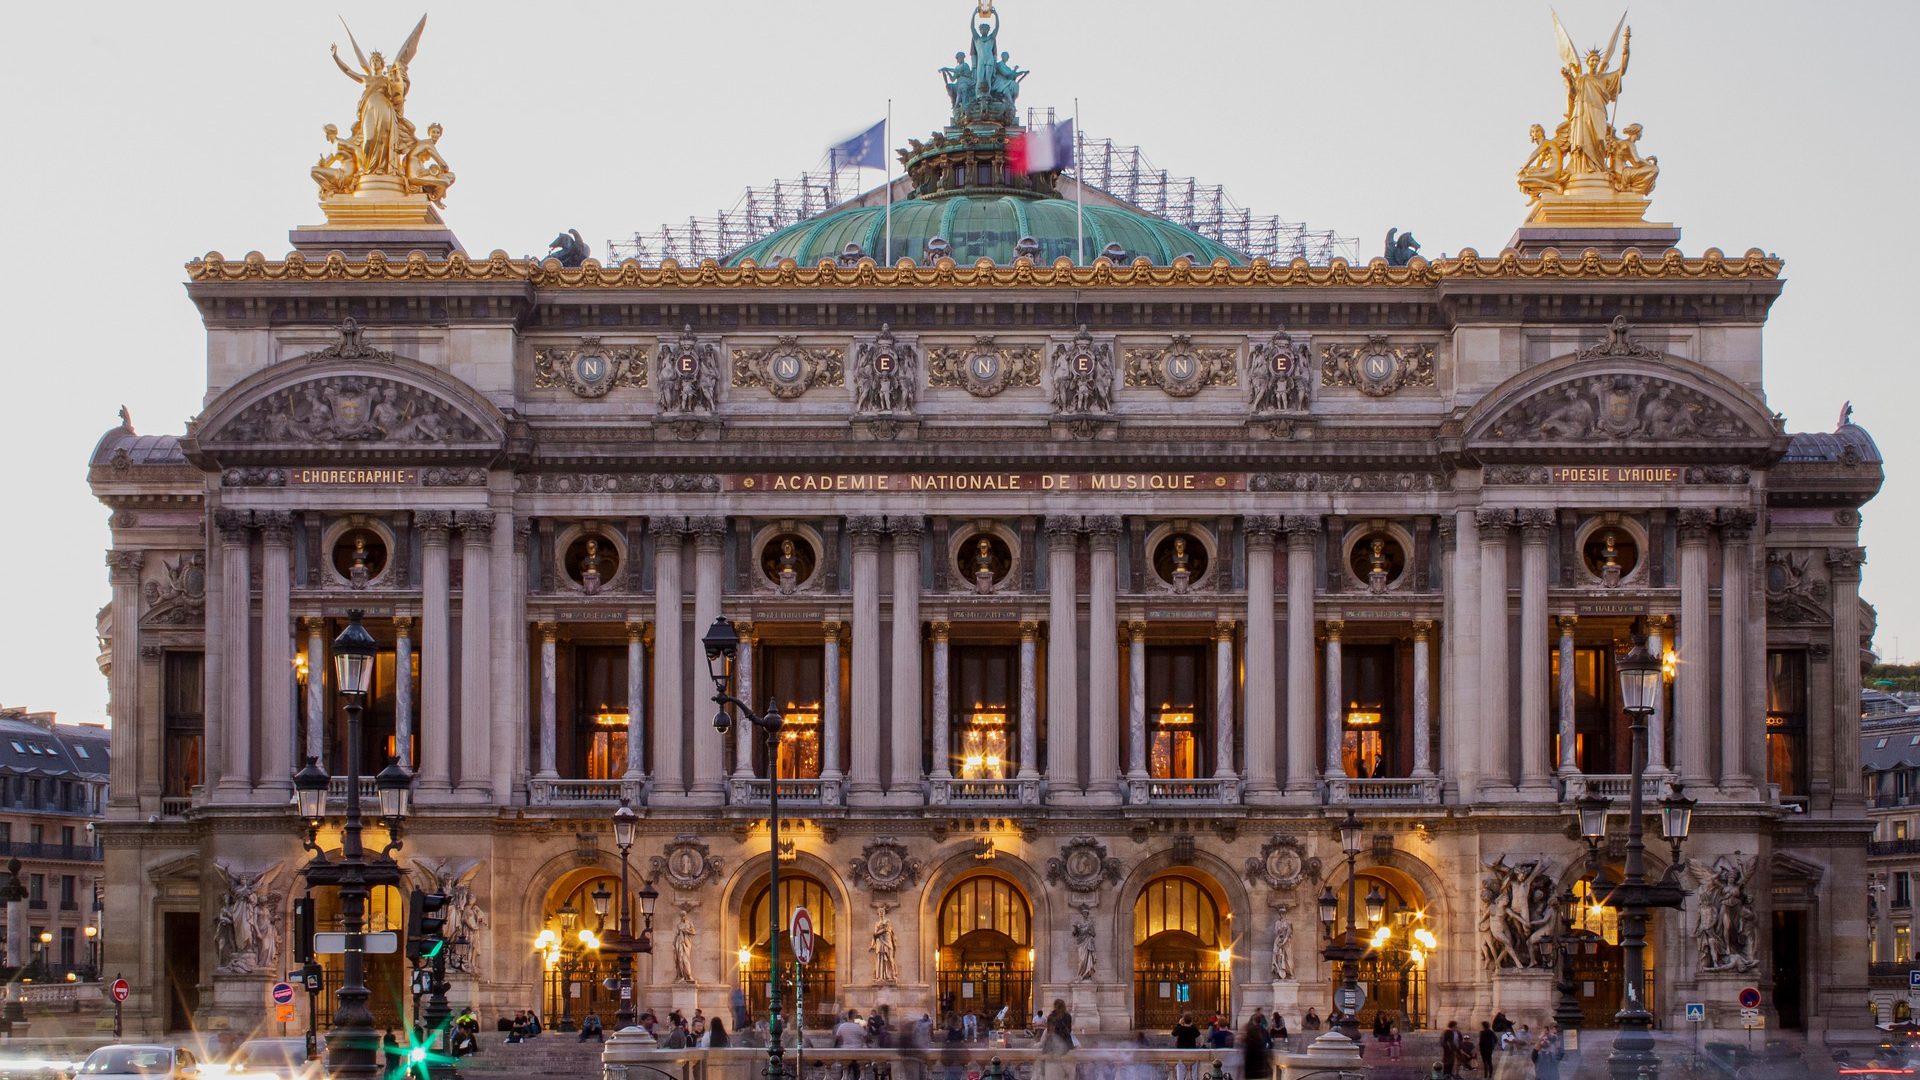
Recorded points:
145,134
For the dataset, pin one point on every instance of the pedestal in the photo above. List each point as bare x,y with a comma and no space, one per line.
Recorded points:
1527,996
1332,1054
1283,1000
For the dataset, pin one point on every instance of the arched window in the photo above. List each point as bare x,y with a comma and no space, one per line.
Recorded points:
1182,952
818,986
985,961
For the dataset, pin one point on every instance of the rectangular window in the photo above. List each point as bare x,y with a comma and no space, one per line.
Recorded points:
983,707
66,836
67,947
1367,687
184,723
1787,720
1902,943
37,834
6,833
37,890
67,901
600,711
1900,829
792,677
1177,713
1902,889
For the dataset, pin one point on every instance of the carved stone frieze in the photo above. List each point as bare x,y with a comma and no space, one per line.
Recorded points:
1282,864
689,375
1083,865
589,369
984,368
886,375
1794,596
788,369
1081,371
1377,367
1517,474
1181,368
453,477
1280,375
686,863
253,477
885,865
349,347
1331,481
1617,408
1620,344
1717,474
608,483
349,408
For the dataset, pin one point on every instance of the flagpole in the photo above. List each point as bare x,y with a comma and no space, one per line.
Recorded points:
887,155
1079,205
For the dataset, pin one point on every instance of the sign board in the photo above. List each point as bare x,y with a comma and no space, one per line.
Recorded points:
1749,999
802,935
1751,1018
330,943
1697,1012
120,990
1913,979
282,993
1351,1000
283,1013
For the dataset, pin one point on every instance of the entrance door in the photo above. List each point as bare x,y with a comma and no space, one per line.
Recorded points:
1789,969
180,943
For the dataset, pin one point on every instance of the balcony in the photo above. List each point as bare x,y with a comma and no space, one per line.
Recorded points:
1212,791
1893,847
174,806
337,791
576,792
1383,791
1014,792
1614,786
30,850
757,791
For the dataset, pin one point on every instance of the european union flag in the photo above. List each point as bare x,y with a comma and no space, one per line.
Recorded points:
867,149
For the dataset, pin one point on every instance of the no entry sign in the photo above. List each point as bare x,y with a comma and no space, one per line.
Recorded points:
802,935
120,990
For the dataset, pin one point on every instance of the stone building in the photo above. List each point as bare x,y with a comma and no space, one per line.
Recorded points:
53,789
1096,567
1890,756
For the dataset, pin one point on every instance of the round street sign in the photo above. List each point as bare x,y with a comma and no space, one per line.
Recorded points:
802,935
282,993
1750,998
120,990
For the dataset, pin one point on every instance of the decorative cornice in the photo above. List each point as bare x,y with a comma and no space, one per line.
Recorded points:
1469,265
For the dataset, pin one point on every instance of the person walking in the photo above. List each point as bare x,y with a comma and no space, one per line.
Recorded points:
1451,1042
1489,1041
1258,1045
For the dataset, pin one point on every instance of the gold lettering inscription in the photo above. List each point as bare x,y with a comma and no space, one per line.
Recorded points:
354,476
962,482
1616,474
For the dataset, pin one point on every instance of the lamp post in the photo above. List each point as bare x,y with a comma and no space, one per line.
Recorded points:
1567,1014
1348,951
623,944
46,946
353,1046
1633,1057
723,647
12,893
568,916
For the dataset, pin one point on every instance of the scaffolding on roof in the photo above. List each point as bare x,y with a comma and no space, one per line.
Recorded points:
1122,171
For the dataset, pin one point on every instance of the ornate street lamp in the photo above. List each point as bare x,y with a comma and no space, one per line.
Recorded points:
1676,820
722,645
1348,951
622,943
1567,1014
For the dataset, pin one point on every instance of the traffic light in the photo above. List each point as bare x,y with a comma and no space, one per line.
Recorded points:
426,922
303,926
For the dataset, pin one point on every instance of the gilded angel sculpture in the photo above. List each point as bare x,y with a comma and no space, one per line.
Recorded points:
383,143
1585,158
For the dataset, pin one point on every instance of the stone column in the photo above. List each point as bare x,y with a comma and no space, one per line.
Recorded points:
1536,529
709,758
519,754
317,672
1736,717
636,694
1260,764
1497,725
1223,687
669,658
1137,700
549,692
830,768
743,734
403,689
236,588
863,779
1461,729
1303,533
476,652
1103,662
436,630
1569,762
1335,692
276,653
1422,699
123,572
1659,632
905,785
1843,569
507,636
1691,749
1063,660
943,704
1029,699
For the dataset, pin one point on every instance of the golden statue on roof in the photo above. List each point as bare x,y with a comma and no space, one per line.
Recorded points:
384,173
1585,172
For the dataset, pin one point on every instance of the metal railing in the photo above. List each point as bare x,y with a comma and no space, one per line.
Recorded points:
28,850
1908,846
175,805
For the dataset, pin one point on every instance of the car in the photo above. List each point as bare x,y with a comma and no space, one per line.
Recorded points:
139,1061
274,1059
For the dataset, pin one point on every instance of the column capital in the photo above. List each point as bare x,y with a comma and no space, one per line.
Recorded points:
865,529
1103,530
433,525
1422,629
123,567
314,625
549,631
477,525
1334,627
1566,623
1061,525
1845,562
233,525
939,628
1536,524
152,653
831,629
707,532
403,626
1137,629
1260,528
1736,524
276,527
522,534
666,528
745,628
1302,529
1493,523
1694,525
1223,629
906,528
1029,629
637,630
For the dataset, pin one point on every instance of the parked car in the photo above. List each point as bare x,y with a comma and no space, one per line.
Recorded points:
140,1061
274,1059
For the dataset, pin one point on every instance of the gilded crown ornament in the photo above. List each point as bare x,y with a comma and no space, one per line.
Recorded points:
384,174
1585,172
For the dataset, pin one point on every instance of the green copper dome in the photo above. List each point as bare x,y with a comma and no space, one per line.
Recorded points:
987,226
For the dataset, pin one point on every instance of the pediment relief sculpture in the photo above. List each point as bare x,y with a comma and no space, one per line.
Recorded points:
181,596
350,408
1794,595
1180,367
349,347
1280,375
885,375
1081,371
788,369
984,368
589,369
689,379
1617,408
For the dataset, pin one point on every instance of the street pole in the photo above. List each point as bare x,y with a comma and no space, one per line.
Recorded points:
352,1051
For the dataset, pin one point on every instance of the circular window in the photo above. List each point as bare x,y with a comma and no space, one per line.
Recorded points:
1180,559
1611,553
592,560
787,561
1377,560
984,556
359,555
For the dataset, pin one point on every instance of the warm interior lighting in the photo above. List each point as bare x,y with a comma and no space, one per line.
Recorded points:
1172,717
589,939
1669,664
547,940
1226,957
984,744
1358,717
300,666
746,956
610,718
1426,939
1381,937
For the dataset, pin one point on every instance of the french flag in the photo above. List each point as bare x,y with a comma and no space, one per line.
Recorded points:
1047,148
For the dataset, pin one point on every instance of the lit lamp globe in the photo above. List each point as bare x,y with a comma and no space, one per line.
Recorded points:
353,653
1329,909
602,899
1676,815
395,785
1376,905
310,790
624,823
1593,816
1350,830
1639,680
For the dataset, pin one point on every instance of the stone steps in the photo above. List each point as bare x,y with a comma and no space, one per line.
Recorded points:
560,1055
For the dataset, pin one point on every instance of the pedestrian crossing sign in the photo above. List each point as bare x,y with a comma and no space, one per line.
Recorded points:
1697,1012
